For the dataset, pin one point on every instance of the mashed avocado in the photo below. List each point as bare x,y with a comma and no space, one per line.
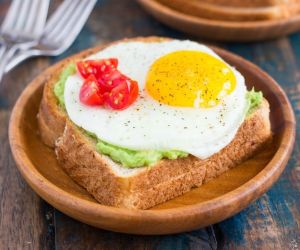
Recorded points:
254,99
136,158
59,87
132,159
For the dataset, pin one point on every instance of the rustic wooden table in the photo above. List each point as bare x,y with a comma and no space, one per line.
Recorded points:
27,222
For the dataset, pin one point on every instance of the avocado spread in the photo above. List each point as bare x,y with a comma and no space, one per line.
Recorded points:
136,158
254,98
59,87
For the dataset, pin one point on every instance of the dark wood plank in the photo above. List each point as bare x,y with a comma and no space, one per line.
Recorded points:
71,234
272,221
22,221
25,219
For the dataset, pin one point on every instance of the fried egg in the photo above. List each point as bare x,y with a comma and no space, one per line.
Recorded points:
189,99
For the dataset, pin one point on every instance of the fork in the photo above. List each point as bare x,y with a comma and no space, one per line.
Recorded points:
23,24
60,32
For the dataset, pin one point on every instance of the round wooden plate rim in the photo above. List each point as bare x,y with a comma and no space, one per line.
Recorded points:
210,22
42,186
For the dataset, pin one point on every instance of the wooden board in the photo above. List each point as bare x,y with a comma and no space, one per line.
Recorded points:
212,202
221,30
270,222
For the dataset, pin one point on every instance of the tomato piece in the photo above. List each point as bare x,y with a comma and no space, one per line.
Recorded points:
133,92
118,97
96,67
114,62
90,92
111,80
121,97
104,83
106,67
86,68
112,75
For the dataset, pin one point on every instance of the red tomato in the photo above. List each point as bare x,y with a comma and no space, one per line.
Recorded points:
113,61
104,83
106,66
86,68
90,92
133,92
121,97
111,80
118,97
111,75
96,67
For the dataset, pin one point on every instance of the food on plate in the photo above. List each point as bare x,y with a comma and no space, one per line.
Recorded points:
144,120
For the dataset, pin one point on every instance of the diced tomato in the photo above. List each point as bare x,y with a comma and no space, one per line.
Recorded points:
86,68
133,92
122,96
107,66
118,97
112,75
96,67
90,92
104,83
113,61
111,80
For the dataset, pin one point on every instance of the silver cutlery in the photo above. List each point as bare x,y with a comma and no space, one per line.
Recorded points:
60,32
23,24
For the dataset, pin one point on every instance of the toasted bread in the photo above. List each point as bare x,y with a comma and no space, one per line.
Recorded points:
141,188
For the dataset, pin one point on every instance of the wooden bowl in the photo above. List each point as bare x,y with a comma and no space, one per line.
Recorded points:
219,29
211,203
236,10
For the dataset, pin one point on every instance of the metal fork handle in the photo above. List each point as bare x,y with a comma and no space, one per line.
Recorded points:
24,51
19,58
2,50
7,51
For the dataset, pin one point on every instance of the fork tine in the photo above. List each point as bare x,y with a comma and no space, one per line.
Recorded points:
74,25
57,16
11,16
65,23
39,27
76,22
22,16
38,15
64,19
31,18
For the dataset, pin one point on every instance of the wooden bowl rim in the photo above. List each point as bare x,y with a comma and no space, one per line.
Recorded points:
168,11
47,189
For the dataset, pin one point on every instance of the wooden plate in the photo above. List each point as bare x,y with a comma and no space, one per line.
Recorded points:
211,203
222,30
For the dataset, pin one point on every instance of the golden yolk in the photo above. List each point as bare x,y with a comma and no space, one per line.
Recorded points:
190,79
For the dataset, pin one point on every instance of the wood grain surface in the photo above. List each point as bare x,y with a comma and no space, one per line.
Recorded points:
27,222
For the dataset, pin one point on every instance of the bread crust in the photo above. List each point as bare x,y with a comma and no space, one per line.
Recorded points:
148,186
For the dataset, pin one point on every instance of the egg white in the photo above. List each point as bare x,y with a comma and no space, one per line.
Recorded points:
149,125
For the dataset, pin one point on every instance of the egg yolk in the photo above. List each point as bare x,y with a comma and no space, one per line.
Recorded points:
190,79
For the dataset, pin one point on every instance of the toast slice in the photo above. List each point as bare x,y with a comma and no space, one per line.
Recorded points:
140,188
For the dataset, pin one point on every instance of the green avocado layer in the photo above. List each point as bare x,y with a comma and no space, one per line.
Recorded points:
136,158
59,87
254,98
